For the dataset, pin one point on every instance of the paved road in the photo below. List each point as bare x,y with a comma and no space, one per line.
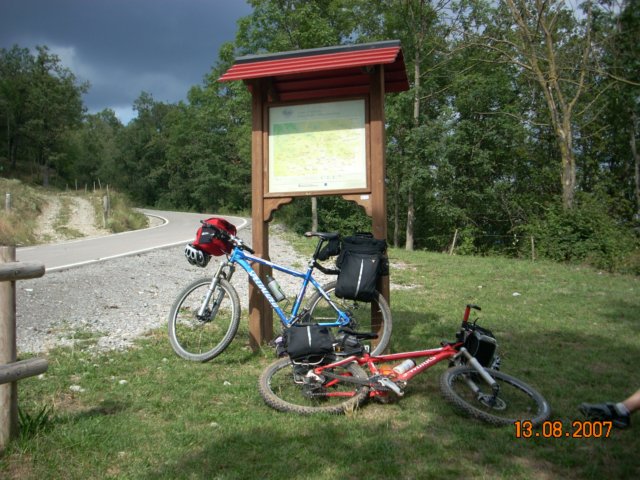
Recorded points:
177,228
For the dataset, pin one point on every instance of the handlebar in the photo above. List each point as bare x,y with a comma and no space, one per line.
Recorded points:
467,311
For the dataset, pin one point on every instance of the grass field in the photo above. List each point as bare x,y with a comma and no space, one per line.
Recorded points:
571,332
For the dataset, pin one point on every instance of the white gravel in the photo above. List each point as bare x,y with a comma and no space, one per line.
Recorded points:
121,299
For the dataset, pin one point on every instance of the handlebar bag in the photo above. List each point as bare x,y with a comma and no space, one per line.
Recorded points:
306,342
208,237
362,262
481,343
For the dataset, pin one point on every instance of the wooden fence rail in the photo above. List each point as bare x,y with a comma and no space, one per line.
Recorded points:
10,370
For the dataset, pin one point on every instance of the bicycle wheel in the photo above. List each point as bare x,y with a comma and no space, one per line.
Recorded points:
359,312
515,401
286,387
201,338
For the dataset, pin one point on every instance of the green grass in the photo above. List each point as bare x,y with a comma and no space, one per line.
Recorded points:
145,414
18,226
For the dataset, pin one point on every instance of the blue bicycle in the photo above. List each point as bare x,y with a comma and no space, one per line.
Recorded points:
205,317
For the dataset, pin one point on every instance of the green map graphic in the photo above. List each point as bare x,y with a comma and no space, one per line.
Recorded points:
317,147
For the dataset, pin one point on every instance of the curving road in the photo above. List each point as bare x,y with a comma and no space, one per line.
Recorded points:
176,228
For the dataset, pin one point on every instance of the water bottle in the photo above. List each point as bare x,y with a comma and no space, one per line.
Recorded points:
404,366
275,289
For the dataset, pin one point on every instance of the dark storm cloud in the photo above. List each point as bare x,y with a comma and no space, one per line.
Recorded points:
126,46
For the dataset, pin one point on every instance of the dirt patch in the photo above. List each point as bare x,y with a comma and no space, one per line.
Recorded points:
67,217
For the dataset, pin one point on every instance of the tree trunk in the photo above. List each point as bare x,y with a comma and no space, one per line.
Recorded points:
314,214
44,162
396,214
410,221
416,122
565,142
636,158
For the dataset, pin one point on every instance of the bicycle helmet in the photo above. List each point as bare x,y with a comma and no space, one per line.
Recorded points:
196,256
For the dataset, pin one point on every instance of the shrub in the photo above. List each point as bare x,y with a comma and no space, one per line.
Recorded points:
585,233
122,217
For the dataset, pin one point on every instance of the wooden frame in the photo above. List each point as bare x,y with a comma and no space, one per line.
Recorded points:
328,74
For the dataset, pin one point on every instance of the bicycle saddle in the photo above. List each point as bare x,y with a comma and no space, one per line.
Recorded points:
323,235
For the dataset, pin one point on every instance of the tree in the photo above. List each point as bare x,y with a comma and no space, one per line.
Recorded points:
42,102
16,67
555,49
423,28
96,148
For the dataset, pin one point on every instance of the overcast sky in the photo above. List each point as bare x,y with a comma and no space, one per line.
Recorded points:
123,47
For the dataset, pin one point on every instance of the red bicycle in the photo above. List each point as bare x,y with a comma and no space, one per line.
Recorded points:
337,383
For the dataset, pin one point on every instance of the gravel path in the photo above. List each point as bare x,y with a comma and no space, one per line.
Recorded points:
119,299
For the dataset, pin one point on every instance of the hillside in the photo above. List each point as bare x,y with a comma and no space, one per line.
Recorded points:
36,215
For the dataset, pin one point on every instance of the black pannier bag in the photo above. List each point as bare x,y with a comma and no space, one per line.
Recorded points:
361,262
308,343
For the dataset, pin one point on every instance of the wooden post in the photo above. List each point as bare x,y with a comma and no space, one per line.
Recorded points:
10,370
23,369
260,312
9,391
7,202
106,207
378,177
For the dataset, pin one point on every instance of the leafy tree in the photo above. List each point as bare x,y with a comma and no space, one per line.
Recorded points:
556,51
54,107
143,145
96,149
16,67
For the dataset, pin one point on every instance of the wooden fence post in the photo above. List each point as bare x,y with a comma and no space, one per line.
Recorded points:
10,370
9,391
533,249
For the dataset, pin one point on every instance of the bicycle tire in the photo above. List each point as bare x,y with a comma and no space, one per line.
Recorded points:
201,340
279,389
516,401
360,313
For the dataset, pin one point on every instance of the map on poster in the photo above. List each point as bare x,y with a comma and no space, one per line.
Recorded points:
317,147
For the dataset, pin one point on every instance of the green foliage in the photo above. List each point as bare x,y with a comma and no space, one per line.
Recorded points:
586,233
31,424
334,215
40,105
122,217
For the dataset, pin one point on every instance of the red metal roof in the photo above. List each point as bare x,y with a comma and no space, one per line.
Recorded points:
320,72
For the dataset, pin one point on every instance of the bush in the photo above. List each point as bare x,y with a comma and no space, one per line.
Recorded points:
586,233
122,217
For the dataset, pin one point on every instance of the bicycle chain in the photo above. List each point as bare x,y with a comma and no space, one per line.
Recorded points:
358,381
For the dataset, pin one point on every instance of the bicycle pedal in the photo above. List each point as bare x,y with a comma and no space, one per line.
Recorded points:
391,385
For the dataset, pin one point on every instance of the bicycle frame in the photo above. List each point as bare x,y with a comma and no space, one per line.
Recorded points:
433,356
239,257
